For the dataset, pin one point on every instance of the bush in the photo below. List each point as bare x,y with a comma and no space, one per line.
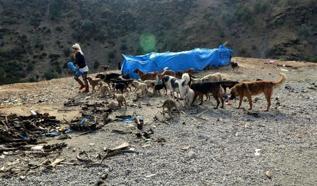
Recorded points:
244,14
87,26
49,74
96,65
112,55
305,31
261,6
55,9
30,67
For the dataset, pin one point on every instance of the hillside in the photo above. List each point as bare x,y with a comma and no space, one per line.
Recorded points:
35,35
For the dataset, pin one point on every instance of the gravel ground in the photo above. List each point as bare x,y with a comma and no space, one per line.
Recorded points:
218,147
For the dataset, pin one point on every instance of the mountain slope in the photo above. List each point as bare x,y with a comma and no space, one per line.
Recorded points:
35,35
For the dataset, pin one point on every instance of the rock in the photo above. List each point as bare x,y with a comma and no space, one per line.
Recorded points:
191,154
268,174
257,152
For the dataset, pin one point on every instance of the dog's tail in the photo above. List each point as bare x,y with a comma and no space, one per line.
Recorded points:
279,82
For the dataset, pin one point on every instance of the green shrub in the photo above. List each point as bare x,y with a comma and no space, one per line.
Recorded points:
30,67
96,65
49,74
261,6
87,26
244,14
112,54
55,9
305,31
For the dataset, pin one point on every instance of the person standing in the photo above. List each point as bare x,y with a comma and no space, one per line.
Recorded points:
79,60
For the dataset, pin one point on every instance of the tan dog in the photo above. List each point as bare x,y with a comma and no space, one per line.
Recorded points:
104,89
121,100
94,82
251,88
140,86
169,104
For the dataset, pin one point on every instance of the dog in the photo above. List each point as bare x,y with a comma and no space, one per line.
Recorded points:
120,87
104,89
228,84
189,95
208,78
150,83
108,77
252,88
205,88
169,104
127,82
121,100
167,73
173,84
94,83
234,65
140,86
146,76
159,87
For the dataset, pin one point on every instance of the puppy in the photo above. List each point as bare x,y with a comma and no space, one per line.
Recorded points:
251,88
215,88
169,104
94,82
121,100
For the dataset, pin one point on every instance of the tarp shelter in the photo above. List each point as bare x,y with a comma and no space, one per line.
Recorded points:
196,59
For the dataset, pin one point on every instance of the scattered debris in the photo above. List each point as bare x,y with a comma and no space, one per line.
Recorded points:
56,162
254,114
86,123
18,131
121,149
120,131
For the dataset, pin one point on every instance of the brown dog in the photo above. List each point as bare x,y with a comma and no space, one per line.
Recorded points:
146,76
251,88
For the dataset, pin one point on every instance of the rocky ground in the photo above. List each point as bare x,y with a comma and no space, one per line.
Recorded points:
200,146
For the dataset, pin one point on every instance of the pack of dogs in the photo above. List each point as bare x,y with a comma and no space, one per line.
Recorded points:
185,86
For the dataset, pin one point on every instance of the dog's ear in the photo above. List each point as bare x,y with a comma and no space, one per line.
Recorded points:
183,83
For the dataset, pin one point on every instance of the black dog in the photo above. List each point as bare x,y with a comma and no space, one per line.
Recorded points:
234,65
120,86
159,87
108,77
202,89
228,84
127,82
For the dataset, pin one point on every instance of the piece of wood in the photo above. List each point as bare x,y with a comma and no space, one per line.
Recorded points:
57,161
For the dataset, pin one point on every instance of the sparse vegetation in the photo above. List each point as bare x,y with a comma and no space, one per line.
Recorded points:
31,29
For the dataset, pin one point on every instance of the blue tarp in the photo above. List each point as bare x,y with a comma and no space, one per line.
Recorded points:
196,59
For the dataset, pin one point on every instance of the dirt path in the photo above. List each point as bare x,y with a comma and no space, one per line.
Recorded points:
217,147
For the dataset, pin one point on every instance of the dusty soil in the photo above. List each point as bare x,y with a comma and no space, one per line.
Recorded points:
201,146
